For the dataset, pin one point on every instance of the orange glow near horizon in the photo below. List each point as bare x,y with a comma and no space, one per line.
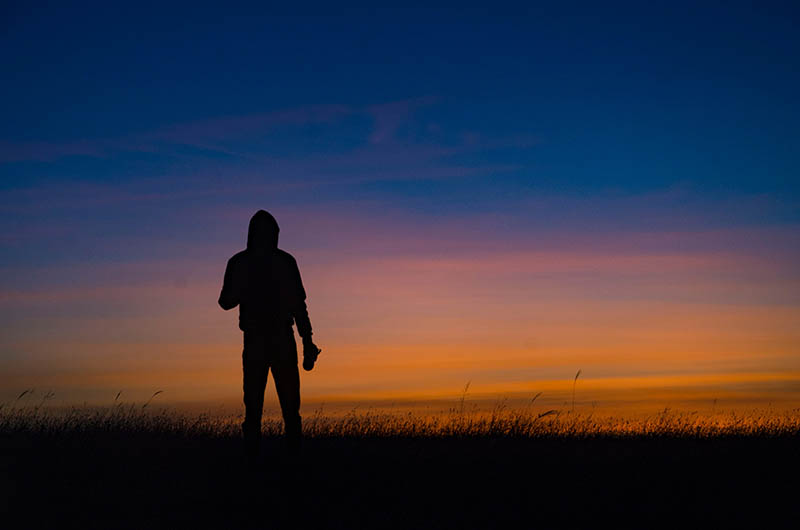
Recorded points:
661,328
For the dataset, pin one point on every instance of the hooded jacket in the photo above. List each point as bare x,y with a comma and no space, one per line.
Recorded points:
265,283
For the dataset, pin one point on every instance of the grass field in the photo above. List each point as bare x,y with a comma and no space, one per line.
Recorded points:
135,466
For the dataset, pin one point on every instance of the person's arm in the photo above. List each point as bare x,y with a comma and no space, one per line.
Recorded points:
300,314
299,309
230,295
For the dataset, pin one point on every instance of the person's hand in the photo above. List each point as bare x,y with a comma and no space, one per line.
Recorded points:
310,354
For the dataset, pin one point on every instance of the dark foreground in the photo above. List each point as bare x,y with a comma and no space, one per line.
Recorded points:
111,480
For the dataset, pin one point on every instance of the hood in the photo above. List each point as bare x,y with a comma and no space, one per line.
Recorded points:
263,232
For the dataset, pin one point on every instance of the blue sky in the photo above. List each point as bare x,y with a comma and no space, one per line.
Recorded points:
708,92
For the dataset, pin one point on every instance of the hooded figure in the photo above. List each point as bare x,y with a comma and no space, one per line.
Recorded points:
265,283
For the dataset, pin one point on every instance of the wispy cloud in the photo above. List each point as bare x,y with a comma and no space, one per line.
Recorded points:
388,117
49,151
242,137
208,133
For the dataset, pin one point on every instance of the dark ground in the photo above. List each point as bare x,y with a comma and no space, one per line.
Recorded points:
165,481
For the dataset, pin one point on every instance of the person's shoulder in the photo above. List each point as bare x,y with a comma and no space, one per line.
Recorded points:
238,257
286,257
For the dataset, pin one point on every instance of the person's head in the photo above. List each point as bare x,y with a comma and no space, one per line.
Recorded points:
263,232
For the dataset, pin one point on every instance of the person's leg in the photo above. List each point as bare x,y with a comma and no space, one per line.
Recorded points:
287,384
255,368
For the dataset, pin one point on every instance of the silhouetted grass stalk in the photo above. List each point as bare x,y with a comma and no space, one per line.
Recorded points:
574,382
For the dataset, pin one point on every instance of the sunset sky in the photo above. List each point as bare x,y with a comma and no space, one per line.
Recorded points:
496,196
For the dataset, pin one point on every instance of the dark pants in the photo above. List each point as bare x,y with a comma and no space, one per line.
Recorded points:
276,351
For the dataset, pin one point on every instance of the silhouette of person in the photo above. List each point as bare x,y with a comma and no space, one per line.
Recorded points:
265,283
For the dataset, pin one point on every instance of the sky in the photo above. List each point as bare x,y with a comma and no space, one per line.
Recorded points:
498,194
